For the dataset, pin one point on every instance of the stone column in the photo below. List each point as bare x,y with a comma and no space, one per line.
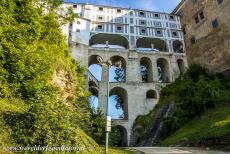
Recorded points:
133,68
102,98
155,70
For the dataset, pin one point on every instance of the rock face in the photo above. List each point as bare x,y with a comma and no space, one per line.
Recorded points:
206,27
156,130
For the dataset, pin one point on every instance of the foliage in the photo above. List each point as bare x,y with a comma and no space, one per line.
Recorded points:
120,74
214,123
97,127
194,92
115,137
32,50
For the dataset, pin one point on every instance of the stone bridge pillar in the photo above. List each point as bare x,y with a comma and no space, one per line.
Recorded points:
102,98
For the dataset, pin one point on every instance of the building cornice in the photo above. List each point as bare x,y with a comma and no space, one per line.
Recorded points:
178,7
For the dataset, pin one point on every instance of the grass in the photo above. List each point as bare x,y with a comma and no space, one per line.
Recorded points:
212,123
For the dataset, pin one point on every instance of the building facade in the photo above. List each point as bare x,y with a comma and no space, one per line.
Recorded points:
135,39
206,27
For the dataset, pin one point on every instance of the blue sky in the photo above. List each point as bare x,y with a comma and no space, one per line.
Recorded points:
152,5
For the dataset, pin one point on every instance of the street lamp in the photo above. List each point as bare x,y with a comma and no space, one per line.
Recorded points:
108,119
108,63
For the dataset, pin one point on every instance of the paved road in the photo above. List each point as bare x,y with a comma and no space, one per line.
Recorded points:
174,150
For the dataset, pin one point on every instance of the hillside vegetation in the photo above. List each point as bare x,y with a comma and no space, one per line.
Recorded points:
43,100
202,103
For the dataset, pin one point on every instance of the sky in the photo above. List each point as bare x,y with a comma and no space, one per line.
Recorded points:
151,5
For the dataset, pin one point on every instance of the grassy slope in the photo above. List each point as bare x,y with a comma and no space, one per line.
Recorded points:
213,123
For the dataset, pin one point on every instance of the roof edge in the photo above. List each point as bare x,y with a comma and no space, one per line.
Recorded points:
178,6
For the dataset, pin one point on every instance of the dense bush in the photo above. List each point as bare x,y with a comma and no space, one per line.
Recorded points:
194,92
32,50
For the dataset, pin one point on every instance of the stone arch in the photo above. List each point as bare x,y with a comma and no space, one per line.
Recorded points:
93,59
93,99
146,69
155,44
122,136
151,94
94,67
109,40
181,66
163,70
118,69
93,88
178,46
119,97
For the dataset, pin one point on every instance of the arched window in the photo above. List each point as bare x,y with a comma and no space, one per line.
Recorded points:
94,68
178,47
151,94
117,72
93,99
146,70
181,66
109,41
163,70
118,103
151,44
119,136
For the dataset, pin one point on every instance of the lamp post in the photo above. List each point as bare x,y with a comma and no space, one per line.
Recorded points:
108,119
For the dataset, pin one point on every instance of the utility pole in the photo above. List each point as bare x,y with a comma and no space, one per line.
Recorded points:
108,118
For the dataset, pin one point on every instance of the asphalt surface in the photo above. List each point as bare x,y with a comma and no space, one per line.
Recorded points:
174,150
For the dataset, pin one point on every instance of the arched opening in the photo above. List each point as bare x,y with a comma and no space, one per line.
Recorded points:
118,136
117,72
151,44
178,46
146,70
118,104
109,41
151,94
93,99
181,66
95,68
163,70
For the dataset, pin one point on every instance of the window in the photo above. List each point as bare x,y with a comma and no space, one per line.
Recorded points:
143,31
77,30
131,29
193,40
142,22
119,28
119,19
184,30
197,20
157,24
141,14
215,23
194,1
74,5
220,1
156,15
99,27
199,17
171,18
174,34
131,13
159,33
100,9
118,10
131,20
100,18
78,22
